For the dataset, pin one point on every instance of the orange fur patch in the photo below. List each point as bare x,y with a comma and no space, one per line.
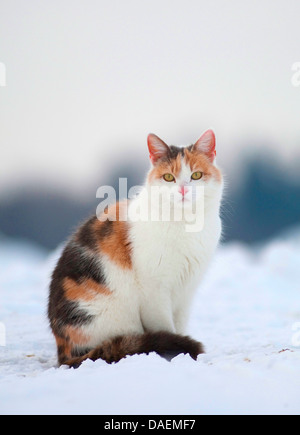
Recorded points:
73,338
113,235
117,246
64,348
200,162
166,167
76,336
86,290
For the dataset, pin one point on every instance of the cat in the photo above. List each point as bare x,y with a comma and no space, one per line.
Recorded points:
125,286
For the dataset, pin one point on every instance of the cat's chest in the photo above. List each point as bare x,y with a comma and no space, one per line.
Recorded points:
167,253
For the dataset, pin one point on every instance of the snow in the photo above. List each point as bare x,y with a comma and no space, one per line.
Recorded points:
246,313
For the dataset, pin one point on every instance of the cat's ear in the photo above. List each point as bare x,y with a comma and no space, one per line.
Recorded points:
207,145
157,148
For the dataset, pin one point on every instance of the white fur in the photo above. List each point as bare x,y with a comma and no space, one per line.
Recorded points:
167,265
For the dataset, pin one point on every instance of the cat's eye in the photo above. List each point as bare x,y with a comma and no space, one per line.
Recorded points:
197,175
168,177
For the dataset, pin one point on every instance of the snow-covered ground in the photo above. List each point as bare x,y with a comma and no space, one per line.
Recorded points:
247,314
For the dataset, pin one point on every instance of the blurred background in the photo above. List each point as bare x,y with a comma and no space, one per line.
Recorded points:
85,82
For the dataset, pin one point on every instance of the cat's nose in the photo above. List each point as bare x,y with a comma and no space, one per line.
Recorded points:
183,190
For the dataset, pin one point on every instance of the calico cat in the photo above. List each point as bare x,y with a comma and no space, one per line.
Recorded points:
124,286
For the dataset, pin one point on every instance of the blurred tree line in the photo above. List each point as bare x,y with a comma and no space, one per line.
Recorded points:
266,202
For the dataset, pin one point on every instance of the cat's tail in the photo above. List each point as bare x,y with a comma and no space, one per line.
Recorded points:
163,343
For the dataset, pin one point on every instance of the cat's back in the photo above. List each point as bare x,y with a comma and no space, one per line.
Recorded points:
88,272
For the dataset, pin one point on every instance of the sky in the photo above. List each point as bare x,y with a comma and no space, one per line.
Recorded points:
87,81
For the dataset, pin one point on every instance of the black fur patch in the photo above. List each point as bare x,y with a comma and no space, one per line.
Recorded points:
85,236
162,342
78,264
62,312
174,151
105,229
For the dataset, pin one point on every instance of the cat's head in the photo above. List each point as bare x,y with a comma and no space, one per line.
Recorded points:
180,170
